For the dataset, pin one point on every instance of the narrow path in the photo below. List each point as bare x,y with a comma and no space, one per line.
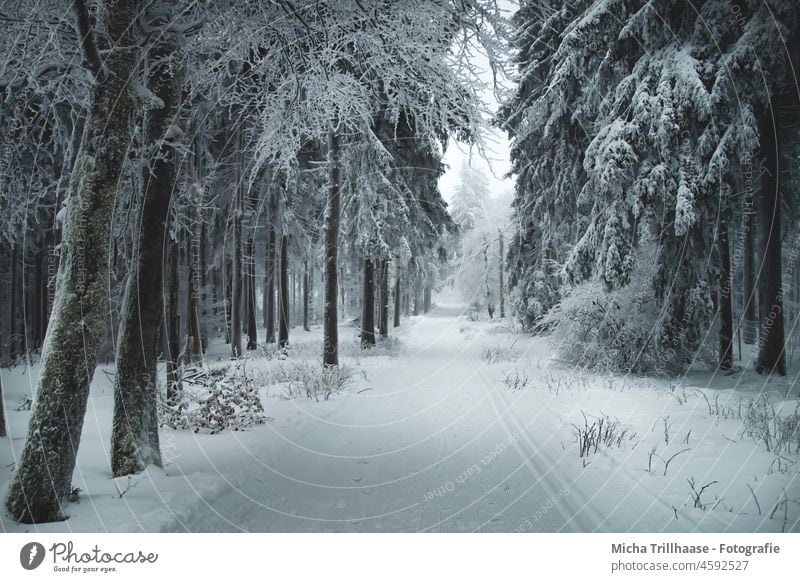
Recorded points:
435,445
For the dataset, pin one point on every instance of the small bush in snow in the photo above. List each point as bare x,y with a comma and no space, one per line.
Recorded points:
626,330
314,381
515,381
715,408
495,354
778,432
390,347
214,400
602,430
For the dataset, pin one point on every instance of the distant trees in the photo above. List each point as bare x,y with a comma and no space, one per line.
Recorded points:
479,244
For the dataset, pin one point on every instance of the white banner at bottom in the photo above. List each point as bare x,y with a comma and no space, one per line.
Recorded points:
390,557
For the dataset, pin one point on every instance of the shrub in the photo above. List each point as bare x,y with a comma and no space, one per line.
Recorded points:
494,354
214,400
312,380
778,432
600,430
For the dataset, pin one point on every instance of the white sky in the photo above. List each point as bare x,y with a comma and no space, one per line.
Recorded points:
496,163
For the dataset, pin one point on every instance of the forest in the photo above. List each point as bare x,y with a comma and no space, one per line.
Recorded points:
211,210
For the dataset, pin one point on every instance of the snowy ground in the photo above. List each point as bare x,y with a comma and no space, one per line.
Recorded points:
442,435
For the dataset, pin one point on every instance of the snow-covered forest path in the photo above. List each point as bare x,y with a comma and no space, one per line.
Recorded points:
435,444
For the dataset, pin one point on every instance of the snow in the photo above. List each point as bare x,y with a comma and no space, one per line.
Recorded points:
429,437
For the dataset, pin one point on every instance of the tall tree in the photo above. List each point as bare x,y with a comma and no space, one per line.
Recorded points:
283,296
330,343
44,471
368,306
383,317
134,438
306,293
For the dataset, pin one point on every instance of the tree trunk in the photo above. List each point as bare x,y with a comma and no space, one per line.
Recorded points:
228,288
269,282
13,351
39,292
236,282
368,306
203,295
383,320
330,344
771,338
2,412
134,437
172,321
396,322
489,302
252,327
426,298
306,280
500,268
293,310
725,307
194,346
312,303
750,318
44,470
416,295
283,307
342,281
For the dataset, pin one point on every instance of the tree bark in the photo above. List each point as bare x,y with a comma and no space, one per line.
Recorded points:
13,351
306,280
252,328
426,298
293,310
2,412
500,268
44,471
236,281
368,306
194,345
384,307
725,307
283,307
396,322
330,345
172,321
771,358
269,282
750,317
134,437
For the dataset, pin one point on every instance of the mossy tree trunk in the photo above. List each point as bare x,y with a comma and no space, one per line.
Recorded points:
134,438
78,323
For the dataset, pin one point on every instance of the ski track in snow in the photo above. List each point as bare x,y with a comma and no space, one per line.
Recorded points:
430,441
453,415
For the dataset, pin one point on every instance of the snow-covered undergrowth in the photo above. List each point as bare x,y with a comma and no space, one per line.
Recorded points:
312,380
431,436
214,399
227,413
721,451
